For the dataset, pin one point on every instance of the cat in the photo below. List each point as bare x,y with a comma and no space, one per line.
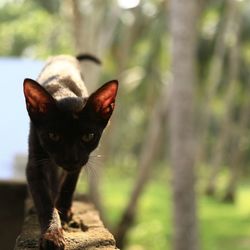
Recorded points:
65,127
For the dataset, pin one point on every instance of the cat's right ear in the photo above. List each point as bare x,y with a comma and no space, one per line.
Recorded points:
39,102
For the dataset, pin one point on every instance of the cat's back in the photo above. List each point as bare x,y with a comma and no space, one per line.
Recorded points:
61,77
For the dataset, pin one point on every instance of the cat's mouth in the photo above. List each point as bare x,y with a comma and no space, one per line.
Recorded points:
72,166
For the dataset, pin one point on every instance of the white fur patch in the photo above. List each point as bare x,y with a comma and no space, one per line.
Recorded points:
61,77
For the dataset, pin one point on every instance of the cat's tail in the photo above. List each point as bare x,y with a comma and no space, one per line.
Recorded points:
83,57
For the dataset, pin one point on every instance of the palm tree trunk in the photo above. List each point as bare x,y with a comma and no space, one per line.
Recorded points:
183,21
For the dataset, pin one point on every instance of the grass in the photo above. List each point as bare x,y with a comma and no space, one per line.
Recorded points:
225,226
221,226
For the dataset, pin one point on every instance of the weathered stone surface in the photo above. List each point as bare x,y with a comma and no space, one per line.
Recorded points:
85,231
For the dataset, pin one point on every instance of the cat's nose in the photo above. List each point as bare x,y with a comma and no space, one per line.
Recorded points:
70,165
71,161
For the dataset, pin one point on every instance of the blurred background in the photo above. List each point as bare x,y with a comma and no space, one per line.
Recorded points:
173,165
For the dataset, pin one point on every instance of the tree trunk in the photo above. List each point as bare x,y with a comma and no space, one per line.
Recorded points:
149,150
93,34
229,195
183,21
214,77
236,161
239,150
225,125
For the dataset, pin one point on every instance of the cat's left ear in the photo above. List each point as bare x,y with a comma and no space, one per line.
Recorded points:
39,102
102,100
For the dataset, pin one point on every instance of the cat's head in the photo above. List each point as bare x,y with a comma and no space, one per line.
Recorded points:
69,137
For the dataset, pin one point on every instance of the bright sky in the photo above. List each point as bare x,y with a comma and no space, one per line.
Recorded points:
128,4
14,121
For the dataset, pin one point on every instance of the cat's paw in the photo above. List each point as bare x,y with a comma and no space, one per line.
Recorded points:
52,239
65,215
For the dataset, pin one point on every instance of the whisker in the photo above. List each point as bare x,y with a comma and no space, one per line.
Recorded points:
98,156
88,171
91,169
95,163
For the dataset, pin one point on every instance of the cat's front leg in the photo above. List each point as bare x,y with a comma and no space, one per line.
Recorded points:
52,238
65,197
51,229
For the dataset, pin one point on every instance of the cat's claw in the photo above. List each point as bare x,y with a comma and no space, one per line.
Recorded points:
52,240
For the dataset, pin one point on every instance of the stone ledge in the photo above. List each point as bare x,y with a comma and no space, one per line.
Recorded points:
84,232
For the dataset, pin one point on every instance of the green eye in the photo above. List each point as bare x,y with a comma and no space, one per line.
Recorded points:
88,137
54,137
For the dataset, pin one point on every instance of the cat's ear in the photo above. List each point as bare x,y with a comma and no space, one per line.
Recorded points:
102,101
39,102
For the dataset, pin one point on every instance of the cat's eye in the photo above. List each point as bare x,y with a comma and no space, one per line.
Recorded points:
54,136
88,137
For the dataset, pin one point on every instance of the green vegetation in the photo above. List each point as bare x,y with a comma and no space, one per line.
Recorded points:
222,225
28,30
139,56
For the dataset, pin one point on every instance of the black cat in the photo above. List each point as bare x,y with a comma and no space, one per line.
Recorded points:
66,126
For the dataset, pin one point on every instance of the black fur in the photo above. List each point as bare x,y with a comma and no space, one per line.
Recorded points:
66,126
82,57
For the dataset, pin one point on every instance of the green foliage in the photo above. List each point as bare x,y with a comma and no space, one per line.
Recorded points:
28,30
223,226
